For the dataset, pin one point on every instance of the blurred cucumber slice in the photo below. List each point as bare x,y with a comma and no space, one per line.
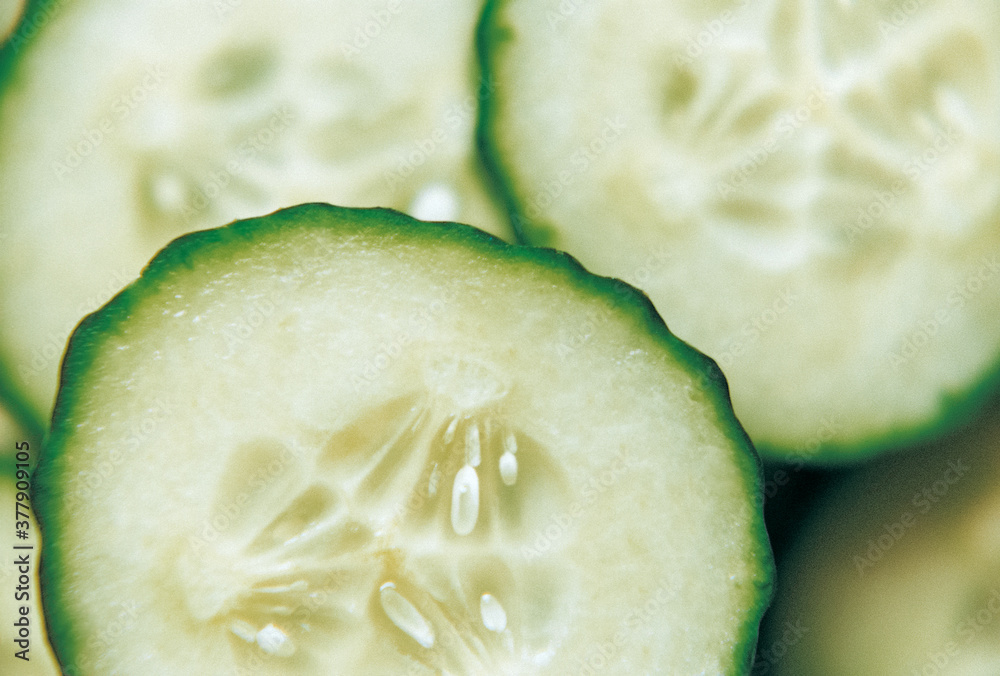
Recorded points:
10,433
10,13
398,467
123,125
809,192
895,572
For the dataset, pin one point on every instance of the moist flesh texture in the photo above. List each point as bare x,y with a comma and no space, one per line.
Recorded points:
811,198
123,126
337,439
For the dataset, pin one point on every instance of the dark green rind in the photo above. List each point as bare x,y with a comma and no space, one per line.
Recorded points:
14,402
36,14
956,410
198,247
489,38
492,36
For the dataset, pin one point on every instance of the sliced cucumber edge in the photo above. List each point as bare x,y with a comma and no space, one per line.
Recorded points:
15,403
11,396
956,411
489,37
956,408
22,34
88,336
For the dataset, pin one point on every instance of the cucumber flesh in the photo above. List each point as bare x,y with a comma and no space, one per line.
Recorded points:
10,13
10,433
123,126
341,441
809,192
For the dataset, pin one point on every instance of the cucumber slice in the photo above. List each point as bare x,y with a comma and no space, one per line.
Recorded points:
344,441
10,13
809,192
896,571
124,125
13,432
10,433
17,419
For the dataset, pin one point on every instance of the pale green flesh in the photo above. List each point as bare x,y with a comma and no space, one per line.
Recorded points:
123,125
769,189
283,497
